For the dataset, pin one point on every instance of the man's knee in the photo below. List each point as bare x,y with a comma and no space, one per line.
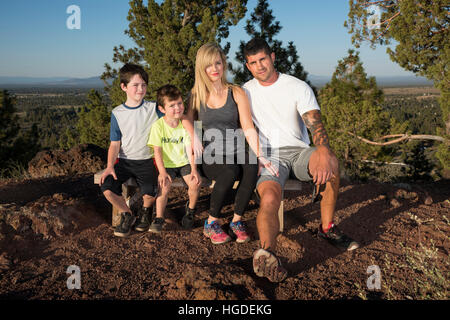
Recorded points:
270,194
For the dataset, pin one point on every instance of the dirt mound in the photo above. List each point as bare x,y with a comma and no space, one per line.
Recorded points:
49,216
80,159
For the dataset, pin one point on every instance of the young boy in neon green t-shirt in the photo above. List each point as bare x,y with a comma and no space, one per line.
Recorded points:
173,155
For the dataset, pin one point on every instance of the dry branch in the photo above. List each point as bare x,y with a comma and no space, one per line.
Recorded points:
399,138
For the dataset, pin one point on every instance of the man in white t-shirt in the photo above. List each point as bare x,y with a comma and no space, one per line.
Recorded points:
283,109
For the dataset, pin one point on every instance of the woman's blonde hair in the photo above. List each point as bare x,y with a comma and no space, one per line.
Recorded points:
206,55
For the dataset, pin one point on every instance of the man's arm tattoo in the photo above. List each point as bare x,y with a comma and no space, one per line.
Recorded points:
314,123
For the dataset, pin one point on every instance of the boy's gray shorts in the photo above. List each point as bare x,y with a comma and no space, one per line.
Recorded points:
291,162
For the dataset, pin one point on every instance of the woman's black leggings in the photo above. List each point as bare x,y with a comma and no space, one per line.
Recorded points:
225,175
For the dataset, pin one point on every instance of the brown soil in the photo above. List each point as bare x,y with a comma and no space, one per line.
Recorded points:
48,225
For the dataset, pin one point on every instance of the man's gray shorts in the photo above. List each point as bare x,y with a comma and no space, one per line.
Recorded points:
291,162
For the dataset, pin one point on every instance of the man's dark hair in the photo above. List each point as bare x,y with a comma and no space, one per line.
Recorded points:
256,45
129,70
167,91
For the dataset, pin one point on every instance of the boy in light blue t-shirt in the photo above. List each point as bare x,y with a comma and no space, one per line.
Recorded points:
128,153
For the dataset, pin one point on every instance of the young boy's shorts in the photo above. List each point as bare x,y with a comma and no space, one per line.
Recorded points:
290,162
179,172
144,171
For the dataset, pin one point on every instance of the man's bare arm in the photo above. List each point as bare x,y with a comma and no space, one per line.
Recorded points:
321,162
313,122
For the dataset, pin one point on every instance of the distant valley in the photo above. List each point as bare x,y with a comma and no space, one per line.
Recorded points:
96,82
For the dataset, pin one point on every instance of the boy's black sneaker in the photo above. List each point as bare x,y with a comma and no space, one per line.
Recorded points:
126,223
337,238
143,222
188,219
157,225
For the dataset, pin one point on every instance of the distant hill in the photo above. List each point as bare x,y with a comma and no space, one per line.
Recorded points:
29,80
96,82
392,81
64,82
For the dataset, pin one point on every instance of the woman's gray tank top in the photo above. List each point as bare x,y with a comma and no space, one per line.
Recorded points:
221,129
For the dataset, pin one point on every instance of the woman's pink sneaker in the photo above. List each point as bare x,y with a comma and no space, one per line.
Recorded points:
215,232
240,230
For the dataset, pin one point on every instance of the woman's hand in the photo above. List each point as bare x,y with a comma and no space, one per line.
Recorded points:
197,148
264,163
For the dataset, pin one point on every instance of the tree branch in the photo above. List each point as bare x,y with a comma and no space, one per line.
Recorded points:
372,3
186,17
401,137
379,3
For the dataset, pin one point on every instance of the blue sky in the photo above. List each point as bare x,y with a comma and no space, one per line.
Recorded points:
36,42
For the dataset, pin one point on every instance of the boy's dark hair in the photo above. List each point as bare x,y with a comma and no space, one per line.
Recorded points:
256,45
129,70
167,91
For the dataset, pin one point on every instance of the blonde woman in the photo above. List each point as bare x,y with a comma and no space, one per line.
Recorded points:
223,109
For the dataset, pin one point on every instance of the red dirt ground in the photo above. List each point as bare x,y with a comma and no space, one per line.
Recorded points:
48,225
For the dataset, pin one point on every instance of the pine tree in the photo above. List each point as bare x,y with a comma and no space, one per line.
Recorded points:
17,147
420,32
94,121
419,167
351,106
26,146
68,138
168,35
9,127
92,126
261,24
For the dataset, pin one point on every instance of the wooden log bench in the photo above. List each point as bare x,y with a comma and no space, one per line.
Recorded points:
130,187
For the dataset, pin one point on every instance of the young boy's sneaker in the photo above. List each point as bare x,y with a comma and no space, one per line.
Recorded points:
127,221
144,218
215,232
156,225
240,230
266,264
188,219
337,238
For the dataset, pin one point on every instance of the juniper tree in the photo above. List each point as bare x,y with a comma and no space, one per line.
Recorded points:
26,146
94,121
167,36
17,146
92,126
418,165
351,106
262,24
419,30
68,138
9,127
